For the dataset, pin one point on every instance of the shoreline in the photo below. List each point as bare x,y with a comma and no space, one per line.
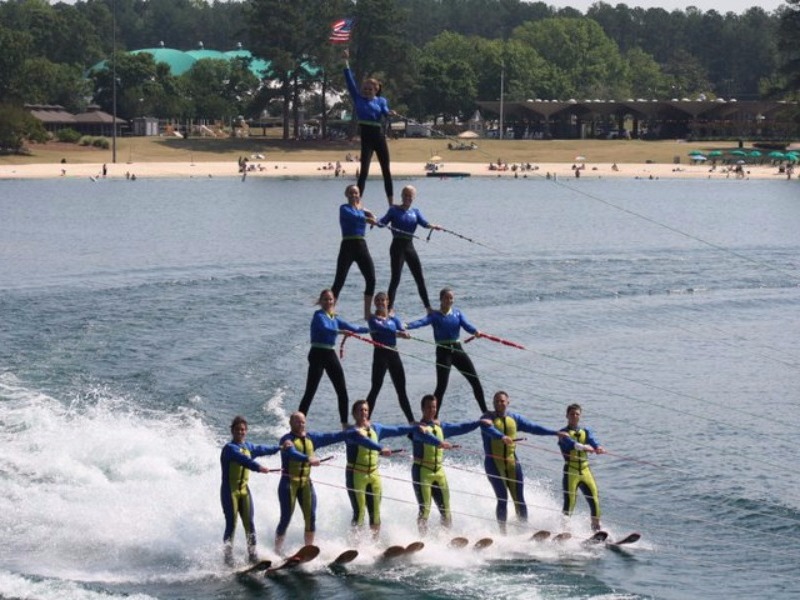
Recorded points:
316,169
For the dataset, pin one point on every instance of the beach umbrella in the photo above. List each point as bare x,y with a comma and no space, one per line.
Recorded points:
698,157
580,158
792,156
468,135
755,153
738,153
696,153
776,154
715,153
436,158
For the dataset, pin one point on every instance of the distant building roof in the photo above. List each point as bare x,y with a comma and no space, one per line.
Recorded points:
51,113
179,62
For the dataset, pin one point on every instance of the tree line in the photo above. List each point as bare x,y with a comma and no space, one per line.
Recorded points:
436,58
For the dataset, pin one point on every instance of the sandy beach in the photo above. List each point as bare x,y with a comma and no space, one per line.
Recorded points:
292,169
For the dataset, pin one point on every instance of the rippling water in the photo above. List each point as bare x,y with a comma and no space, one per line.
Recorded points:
139,317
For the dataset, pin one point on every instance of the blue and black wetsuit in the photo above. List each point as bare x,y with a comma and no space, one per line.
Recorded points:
502,467
370,115
404,224
322,358
353,249
449,353
237,462
386,358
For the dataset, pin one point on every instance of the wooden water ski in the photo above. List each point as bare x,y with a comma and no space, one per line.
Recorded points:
261,565
631,538
414,547
562,537
394,552
540,536
483,543
458,542
305,554
345,557
597,538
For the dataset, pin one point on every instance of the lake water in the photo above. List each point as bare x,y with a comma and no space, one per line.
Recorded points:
139,317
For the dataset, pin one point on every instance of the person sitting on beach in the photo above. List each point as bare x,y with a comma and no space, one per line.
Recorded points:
371,108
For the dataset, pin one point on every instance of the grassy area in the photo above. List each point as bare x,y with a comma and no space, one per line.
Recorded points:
160,149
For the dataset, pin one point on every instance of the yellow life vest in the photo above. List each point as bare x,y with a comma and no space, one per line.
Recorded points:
300,470
432,456
366,460
507,426
577,459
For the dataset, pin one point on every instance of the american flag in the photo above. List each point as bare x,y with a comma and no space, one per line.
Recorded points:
340,31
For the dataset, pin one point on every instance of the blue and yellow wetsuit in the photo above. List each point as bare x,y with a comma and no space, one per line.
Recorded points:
370,115
577,475
404,224
386,358
502,467
427,471
295,485
322,358
446,329
237,462
363,479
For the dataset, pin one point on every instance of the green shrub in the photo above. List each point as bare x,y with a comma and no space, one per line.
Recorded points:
101,142
68,135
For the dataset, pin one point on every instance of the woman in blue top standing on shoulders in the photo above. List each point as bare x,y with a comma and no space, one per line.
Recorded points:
370,108
447,323
384,329
403,220
325,326
353,219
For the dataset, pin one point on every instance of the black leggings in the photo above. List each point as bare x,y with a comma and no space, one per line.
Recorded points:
373,141
319,360
401,252
452,355
384,359
354,251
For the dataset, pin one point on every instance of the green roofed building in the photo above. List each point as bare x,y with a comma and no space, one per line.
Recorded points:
179,62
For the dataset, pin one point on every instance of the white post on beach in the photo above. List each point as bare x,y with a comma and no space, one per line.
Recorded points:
502,77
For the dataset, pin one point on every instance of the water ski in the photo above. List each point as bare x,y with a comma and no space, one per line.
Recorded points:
345,557
394,552
597,538
540,536
631,538
261,565
562,537
414,547
305,554
458,542
483,543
